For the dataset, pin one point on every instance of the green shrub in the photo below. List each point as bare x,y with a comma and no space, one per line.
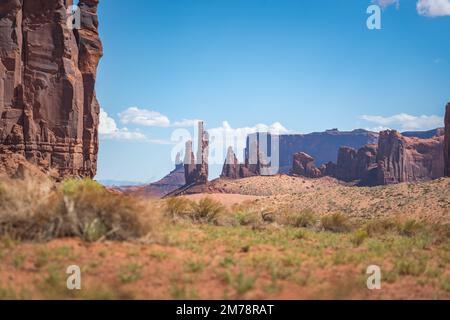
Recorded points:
381,226
243,283
177,207
248,218
304,219
411,228
81,208
410,266
336,222
441,233
358,237
206,210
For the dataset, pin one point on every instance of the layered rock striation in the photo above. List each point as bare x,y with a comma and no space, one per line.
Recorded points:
447,142
402,159
395,159
304,166
48,108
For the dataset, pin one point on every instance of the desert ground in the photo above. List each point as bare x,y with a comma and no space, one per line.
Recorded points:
257,238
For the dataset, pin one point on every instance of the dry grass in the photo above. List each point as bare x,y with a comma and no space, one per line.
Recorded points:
206,210
426,200
336,222
40,210
201,249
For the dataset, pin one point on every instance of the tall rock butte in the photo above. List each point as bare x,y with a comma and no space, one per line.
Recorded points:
49,113
403,159
233,169
447,141
196,172
395,159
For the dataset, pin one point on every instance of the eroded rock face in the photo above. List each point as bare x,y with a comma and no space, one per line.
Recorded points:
233,169
346,164
395,159
322,146
366,164
328,169
358,165
447,141
402,159
231,166
196,172
304,166
48,108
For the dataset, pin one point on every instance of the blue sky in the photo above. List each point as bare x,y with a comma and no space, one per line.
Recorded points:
301,65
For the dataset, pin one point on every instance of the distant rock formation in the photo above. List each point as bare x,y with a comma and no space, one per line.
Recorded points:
328,169
395,159
304,166
346,164
402,159
447,141
424,134
322,146
190,167
171,182
366,164
48,109
232,169
231,166
196,172
357,164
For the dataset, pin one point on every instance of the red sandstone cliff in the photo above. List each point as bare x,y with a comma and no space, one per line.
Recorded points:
395,159
447,141
48,108
402,159
303,165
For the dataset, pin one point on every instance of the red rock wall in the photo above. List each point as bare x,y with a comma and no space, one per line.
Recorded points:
196,170
402,159
303,165
447,141
48,108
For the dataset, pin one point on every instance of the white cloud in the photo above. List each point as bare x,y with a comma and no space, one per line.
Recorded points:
404,122
186,123
226,129
150,118
386,3
433,8
108,130
428,8
144,117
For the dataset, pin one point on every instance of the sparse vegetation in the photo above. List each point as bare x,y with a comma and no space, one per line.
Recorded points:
336,222
304,219
130,273
206,210
203,250
177,207
80,208
359,236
